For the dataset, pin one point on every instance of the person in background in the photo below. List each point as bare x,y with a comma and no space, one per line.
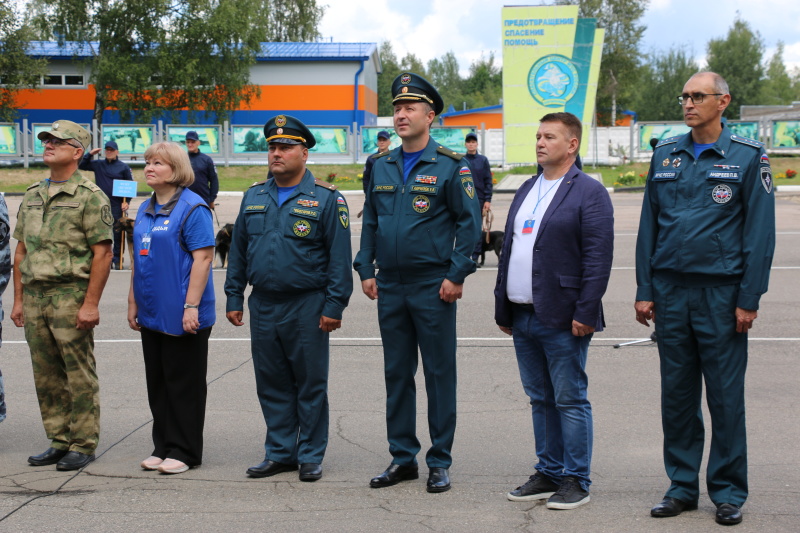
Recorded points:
206,182
482,174
171,303
5,275
384,141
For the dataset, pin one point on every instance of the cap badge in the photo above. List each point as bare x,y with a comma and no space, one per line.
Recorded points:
279,131
405,79
280,121
404,90
55,125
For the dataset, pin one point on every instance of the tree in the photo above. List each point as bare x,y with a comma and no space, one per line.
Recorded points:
443,74
737,58
777,86
484,86
662,78
18,71
619,67
149,57
390,69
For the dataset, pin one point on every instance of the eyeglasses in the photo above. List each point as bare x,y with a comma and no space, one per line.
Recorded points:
696,98
55,143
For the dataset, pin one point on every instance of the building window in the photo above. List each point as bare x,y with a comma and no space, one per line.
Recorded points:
53,79
73,80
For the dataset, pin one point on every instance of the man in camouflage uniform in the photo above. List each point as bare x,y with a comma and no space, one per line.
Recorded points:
61,265
5,275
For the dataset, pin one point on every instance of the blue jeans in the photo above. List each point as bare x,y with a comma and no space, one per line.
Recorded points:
552,365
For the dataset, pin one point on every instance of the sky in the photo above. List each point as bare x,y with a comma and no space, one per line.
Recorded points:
431,28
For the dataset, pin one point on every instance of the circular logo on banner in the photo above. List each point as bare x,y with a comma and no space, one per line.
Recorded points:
301,228
722,194
421,204
553,80
280,121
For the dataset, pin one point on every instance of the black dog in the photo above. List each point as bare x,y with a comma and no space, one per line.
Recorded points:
495,243
223,244
125,225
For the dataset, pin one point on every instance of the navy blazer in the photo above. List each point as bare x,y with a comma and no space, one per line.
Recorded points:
571,256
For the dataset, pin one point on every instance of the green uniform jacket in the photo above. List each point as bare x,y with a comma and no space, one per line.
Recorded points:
59,231
299,247
708,222
424,229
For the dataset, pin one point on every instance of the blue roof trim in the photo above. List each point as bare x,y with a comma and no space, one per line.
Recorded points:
470,111
269,51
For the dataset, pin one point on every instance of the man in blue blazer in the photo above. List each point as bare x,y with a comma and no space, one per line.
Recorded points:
553,272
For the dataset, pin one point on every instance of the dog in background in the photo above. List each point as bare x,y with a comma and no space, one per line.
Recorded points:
495,243
125,226
223,244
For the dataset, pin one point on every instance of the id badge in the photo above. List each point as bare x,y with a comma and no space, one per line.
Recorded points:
145,248
527,227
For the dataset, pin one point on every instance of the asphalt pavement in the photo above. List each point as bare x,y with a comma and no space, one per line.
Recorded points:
493,450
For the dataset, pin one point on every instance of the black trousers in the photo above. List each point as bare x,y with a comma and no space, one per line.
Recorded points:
175,368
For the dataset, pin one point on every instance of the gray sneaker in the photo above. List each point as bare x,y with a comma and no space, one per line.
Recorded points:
569,495
537,487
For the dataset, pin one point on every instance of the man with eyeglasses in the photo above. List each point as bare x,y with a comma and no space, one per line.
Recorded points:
107,170
61,265
703,255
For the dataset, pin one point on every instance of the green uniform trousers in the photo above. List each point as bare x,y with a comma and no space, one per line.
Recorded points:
63,365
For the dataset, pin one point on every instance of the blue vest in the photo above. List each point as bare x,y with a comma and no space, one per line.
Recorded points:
161,278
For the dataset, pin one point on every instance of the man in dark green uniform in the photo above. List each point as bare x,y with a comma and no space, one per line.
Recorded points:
703,255
291,242
421,222
61,266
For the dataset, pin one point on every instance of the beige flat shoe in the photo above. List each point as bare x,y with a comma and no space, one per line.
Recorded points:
172,466
152,462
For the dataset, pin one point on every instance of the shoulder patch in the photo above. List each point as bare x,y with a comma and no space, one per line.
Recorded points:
379,154
33,185
748,142
257,183
325,184
669,140
89,185
449,153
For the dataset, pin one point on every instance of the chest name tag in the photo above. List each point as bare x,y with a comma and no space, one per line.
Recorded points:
385,188
427,190
305,212
255,208
35,203
723,175
664,176
68,204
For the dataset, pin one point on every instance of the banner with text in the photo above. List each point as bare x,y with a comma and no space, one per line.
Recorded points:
551,63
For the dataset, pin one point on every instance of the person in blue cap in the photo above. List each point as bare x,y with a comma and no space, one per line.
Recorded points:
107,170
384,141
206,182
482,175
291,242
421,223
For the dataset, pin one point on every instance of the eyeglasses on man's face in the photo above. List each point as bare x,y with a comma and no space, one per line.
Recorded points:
55,142
696,98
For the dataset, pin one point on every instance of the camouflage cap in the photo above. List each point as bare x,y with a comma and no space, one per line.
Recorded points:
66,129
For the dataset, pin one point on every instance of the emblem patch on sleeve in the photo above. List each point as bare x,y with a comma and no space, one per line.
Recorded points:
108,219
469,187
301,228
344,216
766,179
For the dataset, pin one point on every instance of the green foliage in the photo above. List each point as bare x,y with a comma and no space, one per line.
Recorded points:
157,56
662,78
737,58
391,69
18,71
777,86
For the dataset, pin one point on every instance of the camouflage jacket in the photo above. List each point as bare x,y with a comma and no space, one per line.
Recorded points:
59,230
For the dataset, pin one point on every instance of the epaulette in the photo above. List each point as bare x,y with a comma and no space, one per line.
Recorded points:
669,140
257,183
380,154
449,153
89,185
748,142
33,185
329,186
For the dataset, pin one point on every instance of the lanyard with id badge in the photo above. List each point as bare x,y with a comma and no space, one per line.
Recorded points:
146,238
527,226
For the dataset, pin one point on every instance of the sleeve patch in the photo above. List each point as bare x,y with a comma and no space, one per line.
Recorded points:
766,179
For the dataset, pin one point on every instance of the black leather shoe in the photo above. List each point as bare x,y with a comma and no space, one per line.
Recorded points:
671,507
269,468
438,480
394,475
74,461
310,472
728,514
50,457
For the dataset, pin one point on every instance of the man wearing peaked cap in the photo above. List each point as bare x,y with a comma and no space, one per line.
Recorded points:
61,266
291,220
421,223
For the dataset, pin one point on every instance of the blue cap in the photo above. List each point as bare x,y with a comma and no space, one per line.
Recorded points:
411,87
471,136
112,145
192,136
383,134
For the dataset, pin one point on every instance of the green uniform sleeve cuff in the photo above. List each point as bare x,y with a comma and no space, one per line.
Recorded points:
644,294
333,311
234,303
748,301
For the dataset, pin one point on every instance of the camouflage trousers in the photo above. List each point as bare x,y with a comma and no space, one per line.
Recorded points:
63,365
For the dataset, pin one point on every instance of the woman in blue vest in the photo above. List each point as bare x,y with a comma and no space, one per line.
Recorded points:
171,302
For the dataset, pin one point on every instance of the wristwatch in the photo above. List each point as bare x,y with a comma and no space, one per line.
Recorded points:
189,306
